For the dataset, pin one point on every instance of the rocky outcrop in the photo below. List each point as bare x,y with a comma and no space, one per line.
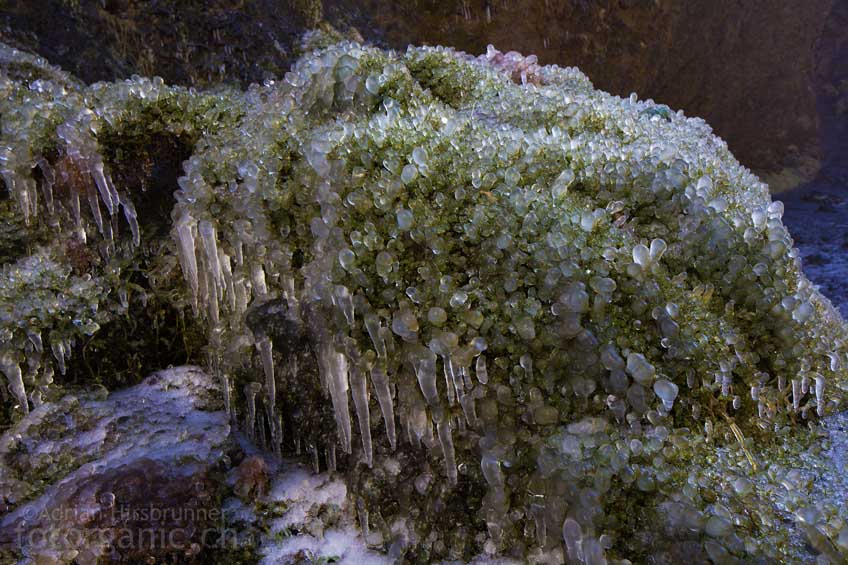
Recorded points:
518,315
124,477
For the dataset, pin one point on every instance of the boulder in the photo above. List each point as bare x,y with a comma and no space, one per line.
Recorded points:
131,475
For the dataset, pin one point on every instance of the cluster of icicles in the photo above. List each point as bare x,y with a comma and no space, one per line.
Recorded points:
215,278
82,177
82,171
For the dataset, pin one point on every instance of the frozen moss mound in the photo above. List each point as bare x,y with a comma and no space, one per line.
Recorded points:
521,316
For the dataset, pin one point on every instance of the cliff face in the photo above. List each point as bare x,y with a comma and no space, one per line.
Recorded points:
745,67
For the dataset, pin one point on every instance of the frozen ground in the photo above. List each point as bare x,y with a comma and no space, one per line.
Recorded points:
817,218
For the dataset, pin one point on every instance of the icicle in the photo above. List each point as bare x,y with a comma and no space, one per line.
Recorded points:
456,377
481,371
12,370
335,368
31,192
266,352
424,363
188,257
250,392
572,534
339,395
459,422
387,336
209,237
59,353
47,184
443,428
316,465
469,409
819,395
362,514
796,395
344,301
331,457
105,187
35,339
526,363
449,382
132,218
418,422
225,388
212,306
491,468
465,373
203,286
359,389
242,297
538,513
257,275
76,212
227,271
94,204
372,324
384,398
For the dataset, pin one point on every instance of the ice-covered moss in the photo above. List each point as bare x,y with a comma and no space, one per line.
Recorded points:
586,317
44,308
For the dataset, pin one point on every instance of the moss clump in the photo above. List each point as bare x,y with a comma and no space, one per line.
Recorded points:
548,305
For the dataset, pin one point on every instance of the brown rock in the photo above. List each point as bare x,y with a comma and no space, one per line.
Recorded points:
252,477
120,479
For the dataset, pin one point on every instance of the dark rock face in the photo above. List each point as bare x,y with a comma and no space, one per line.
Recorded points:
184,42
832,89
745,67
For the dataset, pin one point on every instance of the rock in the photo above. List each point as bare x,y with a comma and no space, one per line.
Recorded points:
468,249
128,477
251,478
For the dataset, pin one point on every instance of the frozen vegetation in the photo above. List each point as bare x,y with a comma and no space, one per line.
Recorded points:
519,316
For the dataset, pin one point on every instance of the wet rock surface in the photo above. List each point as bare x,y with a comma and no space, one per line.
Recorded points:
124,477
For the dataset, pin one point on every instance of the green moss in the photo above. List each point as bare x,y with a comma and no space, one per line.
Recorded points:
584,311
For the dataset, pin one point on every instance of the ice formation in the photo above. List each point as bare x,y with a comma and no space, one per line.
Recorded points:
586,316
